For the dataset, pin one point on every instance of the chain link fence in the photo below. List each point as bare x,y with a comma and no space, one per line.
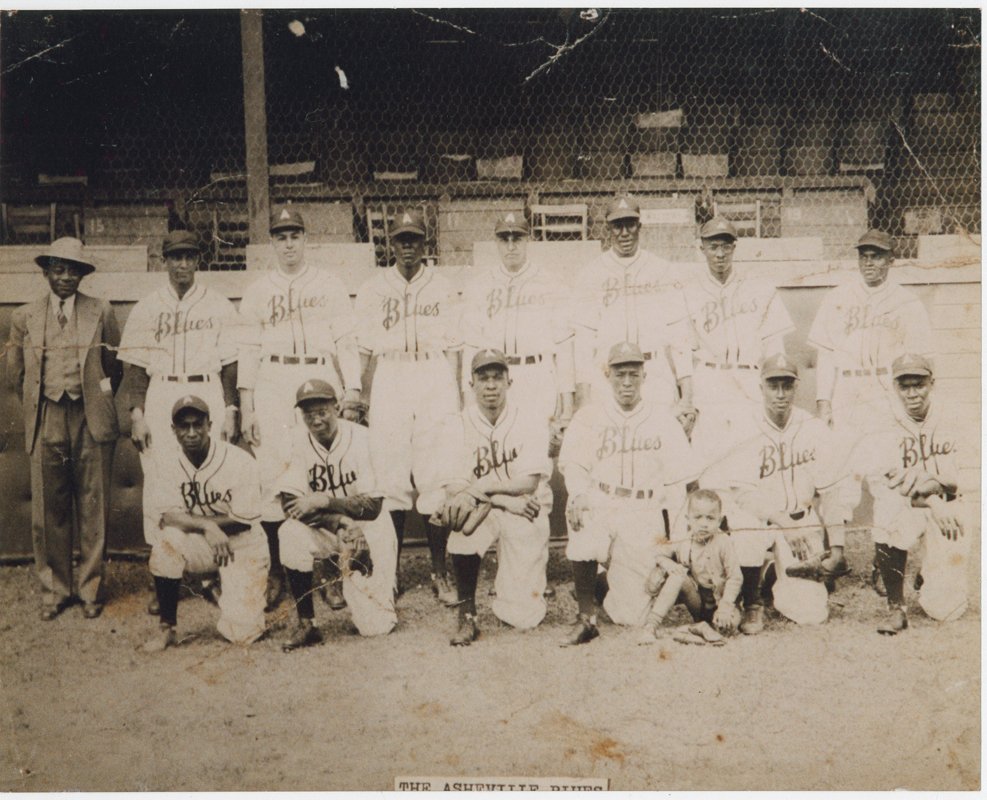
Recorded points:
118,126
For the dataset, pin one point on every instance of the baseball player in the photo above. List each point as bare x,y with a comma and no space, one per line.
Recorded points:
781,464
182,338
629,294
206,498
330,504
702,571
861,327
626,463
736,322
297,325
519,309
910,461
505,455
408,320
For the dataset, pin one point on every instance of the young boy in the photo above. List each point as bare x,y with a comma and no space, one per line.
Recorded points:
703,572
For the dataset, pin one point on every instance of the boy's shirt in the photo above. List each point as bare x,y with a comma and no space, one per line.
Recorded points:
714,565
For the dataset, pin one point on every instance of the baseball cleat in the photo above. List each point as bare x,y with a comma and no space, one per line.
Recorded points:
444,591
275,591
210,591
877,582
549,592
707,632
305,635
153,608
918,583
332,593
466,633
649,634
161,641
753,621
582,632
895,623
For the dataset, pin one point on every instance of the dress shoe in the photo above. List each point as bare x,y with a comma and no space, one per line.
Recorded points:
51,610
305,635
582,632
161,641
153,607
92,610
443,590
753,621
895,623
466,633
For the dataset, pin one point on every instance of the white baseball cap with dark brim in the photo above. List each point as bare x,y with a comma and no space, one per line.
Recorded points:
70,249
286,219
512,222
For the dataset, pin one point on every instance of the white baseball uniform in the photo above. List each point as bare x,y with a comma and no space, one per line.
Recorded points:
293,327
765,470
633,467
734,325
859,332
342,470
182,344
409,326
226,484
516,445
932,446
524,315
636,300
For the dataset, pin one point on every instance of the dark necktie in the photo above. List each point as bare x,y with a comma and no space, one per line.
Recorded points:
62,319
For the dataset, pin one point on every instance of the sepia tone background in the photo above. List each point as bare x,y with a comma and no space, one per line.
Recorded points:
804,127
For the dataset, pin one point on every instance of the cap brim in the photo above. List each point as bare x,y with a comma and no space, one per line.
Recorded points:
778,373
614,216
310,398
875,245
518,230
45,261
287,226
408,229
914,373
185,248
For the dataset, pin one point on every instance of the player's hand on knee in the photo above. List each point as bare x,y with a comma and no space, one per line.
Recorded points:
948,522
220,544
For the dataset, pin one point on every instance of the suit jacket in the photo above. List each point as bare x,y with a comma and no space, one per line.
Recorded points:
98,338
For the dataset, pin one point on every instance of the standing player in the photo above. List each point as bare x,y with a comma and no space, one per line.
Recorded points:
911,466
626,464
206,498
861,327
517,308
780,465
630,295
179,339
408,320
297,324
330,501
736,322
505,454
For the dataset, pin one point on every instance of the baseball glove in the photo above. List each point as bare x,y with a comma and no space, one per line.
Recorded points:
819,568
355,550
463,512
355,411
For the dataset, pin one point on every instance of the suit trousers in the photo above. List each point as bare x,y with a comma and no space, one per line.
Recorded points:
70,481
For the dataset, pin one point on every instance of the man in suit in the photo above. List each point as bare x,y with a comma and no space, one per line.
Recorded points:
62,361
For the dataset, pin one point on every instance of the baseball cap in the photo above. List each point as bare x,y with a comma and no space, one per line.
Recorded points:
189,401
779,366
488,358
718,226
623,208
875,238
285,219
911,364
315,390
67,248
179,242
625,353
410,221
512,222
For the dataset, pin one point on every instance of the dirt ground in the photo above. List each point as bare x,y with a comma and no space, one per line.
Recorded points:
829,707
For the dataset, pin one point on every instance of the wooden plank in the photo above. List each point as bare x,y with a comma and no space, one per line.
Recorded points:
788,248
953,294
957,365
953,316
115,258
957,341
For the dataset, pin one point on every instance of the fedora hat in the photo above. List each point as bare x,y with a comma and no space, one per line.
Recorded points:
67,248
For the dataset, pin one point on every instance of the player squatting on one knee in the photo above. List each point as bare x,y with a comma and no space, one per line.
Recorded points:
701,572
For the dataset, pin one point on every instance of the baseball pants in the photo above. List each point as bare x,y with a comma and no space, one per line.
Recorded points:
522,557
725,399
626,534
946,567
244,579
274,405
858,401
414,411
162,394
370,599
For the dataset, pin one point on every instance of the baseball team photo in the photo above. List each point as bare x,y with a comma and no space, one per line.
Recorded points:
565,394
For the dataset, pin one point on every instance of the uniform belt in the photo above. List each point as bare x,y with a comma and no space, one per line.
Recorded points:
712,365
186,378
860,373
400,355
297,359
516,360
623,491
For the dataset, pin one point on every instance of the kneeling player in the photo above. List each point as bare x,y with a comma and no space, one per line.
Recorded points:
505,455
207,502
332,511
702,572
